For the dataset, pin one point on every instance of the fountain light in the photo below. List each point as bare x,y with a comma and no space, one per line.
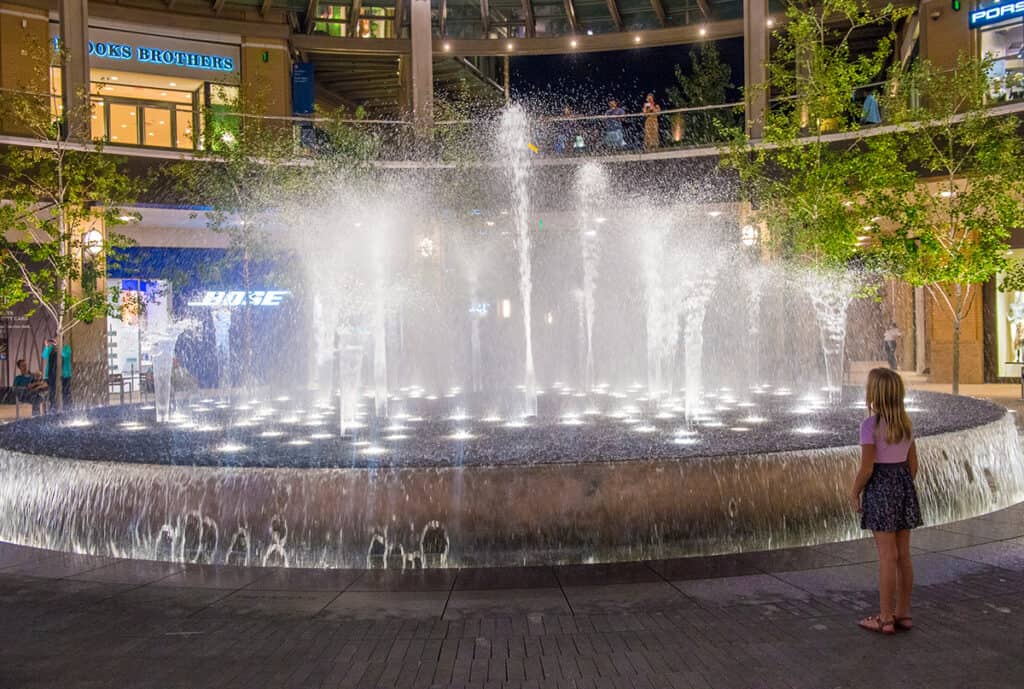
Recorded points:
915,410
645,429
665,415
78,423
461,434
685,441
806,430
395,436
459,416
517,423
753,419
282,398
289,420
271,434
714,214
396,427
713,424
230,447
492,419
739,429
361,443
148,407
321,436
572,420
298,441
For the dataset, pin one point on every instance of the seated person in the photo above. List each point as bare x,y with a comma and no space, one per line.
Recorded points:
29,387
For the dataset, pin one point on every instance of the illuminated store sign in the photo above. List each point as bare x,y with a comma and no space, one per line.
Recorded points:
238,298
997,13
160,56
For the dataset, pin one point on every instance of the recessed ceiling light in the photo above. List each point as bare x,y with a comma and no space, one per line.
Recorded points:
703,31
113,78
162,122
770,22
447,46
172,84
590,32
163,93
636,39
573,43
510,46
124,126
113,138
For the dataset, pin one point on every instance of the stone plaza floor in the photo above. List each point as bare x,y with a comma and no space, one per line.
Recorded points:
775,620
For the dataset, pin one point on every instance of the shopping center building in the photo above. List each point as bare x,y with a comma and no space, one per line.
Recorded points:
151,67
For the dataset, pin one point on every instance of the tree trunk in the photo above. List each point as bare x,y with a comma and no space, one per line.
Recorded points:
956,355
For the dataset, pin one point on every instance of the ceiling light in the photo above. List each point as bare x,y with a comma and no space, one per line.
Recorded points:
447,46
113,78
171,84
703,31
636,39
600,219
113,138
714,214
162,122
590,32
163,93
770,22
573,43
510,46
946,193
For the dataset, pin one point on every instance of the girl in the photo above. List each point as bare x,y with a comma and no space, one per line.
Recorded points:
884,494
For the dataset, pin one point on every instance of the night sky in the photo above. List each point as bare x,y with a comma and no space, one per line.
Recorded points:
585,81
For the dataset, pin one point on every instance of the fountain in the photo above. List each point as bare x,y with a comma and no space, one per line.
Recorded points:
426,431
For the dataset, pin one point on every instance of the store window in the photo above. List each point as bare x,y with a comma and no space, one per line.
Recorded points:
1009,325
1004,44
373,22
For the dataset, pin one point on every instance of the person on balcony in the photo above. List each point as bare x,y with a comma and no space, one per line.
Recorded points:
613,137
651,136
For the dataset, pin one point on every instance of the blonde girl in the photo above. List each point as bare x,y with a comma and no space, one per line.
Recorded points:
884,494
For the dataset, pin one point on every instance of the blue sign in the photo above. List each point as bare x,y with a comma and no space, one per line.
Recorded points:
159,56
302,88
983,16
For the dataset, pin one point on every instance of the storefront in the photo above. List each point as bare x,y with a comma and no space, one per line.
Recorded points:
1001,36
150,90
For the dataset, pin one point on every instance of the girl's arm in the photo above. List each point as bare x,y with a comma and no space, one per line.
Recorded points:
912,460
867,463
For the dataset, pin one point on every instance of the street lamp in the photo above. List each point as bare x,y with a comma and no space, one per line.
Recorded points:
92,244
748,235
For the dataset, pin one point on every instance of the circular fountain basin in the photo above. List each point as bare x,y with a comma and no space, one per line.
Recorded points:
261,486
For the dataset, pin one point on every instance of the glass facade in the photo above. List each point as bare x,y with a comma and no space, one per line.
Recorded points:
1004,43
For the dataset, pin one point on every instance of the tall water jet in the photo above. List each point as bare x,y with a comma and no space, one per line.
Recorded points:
515,144
380,332
591,186
662,304
349,349
222,336
161,336
697,293
477,310
756,278
830,292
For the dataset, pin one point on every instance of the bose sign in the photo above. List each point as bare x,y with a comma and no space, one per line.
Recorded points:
238,298
997,13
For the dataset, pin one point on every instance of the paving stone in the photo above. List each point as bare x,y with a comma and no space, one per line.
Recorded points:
745,590
506,603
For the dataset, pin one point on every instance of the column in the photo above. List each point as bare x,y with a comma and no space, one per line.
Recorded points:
74,40
755,55
422,67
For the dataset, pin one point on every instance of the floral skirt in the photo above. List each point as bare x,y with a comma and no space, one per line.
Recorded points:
890,502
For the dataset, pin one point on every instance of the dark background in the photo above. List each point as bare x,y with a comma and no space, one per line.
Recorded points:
585,81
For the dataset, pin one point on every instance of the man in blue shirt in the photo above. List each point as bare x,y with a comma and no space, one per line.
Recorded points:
50,371
613,126
29,387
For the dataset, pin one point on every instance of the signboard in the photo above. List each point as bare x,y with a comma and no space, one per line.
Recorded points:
134,52
238,298
983,16
302,88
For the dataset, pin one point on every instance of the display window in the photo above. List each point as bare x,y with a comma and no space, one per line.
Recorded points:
373,22
1009,325
1004,45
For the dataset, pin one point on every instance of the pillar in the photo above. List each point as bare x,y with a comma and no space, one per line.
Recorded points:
755,62
422,67
74,40
266,75
24,34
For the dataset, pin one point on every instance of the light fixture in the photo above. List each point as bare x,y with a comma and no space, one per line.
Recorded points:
703,31
590,32
573,43
714,214
506,308
748,235
945,193
113,78
509,46
770,22
447,46
92,243
636,39
171,84
227,137
601,219
163,93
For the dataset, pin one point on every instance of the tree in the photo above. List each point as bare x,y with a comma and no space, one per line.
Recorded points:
708,83
948,232
808,188
56,193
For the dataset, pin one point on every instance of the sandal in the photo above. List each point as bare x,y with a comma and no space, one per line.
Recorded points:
877,624
904,623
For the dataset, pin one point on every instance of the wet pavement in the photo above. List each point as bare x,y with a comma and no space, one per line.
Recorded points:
781,619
